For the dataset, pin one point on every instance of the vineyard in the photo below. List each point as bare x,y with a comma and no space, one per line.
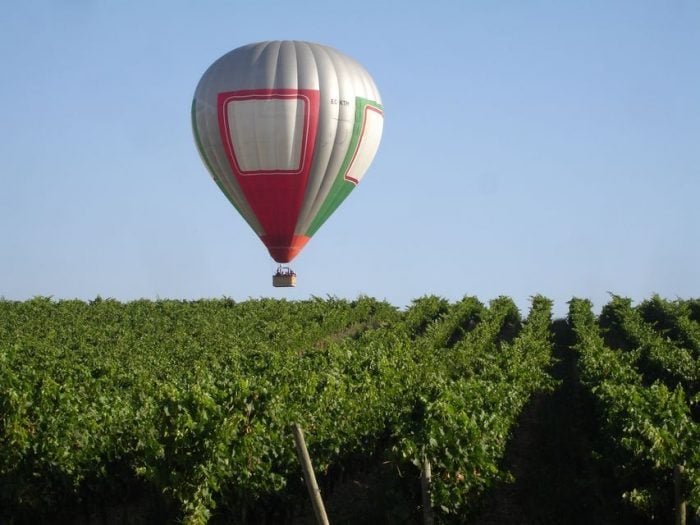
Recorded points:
182,411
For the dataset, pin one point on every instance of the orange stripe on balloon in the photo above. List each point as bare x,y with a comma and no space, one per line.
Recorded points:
282,250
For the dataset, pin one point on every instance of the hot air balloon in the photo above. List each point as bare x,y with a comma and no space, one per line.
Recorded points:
287,130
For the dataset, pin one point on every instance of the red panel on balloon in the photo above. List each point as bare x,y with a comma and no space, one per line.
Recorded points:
271,161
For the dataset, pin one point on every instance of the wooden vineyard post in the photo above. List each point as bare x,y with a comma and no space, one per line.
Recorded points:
425,478
678,490
309,476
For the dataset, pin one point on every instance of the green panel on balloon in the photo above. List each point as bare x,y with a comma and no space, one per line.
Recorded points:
364,136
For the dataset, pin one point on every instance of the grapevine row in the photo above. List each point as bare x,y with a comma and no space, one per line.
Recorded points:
648,426
658,357
191,402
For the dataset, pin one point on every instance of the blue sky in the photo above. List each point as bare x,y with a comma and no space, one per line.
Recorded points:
529,147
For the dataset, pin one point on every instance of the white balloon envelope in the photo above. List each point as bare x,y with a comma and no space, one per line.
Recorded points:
287,130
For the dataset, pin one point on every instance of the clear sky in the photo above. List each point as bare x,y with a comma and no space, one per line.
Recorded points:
529,147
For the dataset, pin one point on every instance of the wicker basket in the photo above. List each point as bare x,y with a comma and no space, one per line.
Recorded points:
282,280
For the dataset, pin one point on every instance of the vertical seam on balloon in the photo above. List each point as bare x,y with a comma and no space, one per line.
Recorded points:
296,109
297,45
276,47
318,200
304,216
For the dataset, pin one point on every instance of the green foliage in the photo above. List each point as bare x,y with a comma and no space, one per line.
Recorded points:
469,399
192,401
657,355
647,422
423,312
460,319
673,320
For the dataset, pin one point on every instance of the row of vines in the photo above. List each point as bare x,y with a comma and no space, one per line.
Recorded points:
641,365
180,411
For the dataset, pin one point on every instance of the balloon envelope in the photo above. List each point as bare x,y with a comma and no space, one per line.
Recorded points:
287,130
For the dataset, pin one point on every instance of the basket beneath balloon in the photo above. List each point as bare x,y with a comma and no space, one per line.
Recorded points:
284,278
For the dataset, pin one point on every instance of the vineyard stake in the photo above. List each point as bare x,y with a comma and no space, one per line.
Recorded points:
678,493
425,478
309,476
